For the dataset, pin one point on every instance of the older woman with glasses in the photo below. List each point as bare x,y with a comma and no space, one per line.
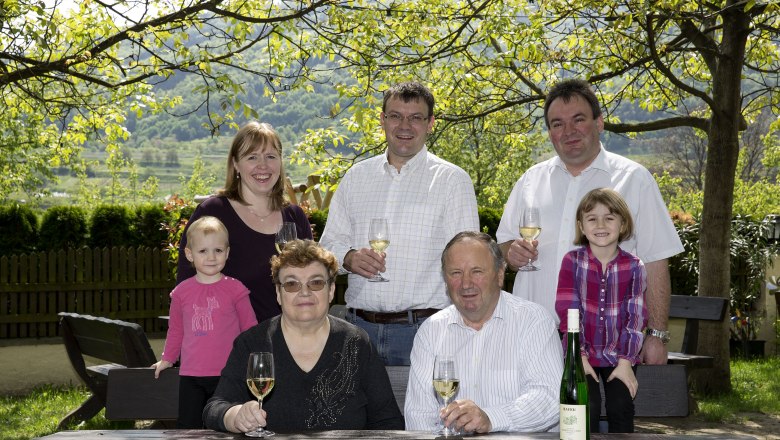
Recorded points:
328,375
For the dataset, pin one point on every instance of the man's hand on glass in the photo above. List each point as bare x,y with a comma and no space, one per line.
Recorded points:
364,262
521,252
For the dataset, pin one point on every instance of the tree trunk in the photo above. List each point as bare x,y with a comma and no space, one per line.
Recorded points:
722,155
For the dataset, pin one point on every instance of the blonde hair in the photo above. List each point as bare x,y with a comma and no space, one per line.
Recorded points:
206,225
614,203
253,136
301,253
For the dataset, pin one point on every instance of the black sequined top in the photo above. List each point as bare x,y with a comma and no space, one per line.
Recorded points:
348,388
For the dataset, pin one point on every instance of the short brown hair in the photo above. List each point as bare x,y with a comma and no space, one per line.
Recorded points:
495,251
614,203
301,253
252,137
566,90
410,91
206,225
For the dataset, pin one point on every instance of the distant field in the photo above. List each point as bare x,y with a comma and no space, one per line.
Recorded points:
169,177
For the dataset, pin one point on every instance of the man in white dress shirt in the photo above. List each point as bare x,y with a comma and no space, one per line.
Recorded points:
507,350
425,200
573,116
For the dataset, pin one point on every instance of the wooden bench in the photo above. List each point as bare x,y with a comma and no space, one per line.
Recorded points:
123,345
685,312
663,389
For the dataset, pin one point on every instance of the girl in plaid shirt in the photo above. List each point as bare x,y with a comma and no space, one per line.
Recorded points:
607,285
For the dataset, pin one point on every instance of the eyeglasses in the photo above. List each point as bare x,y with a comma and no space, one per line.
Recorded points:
397,118
296,286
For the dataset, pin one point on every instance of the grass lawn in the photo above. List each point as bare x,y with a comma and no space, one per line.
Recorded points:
755,389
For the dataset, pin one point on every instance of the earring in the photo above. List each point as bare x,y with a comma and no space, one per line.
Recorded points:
238,176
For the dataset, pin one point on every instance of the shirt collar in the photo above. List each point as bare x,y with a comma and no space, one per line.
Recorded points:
457,319
411,165
589,252
599,163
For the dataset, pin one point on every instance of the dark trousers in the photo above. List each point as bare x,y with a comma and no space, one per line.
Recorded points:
617,401
193,394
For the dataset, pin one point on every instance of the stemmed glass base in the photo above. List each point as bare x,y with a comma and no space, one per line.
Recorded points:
260,433
445,431
378,278
528,267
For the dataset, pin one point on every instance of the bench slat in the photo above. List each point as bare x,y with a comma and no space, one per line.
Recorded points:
134,394
709,308
663,391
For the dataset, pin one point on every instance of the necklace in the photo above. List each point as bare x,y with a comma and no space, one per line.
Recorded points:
260,217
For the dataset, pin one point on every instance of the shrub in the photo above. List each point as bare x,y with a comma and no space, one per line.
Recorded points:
110,226
18,229
684,267
178,212
489,218
62,227
750,250
148,226
318,218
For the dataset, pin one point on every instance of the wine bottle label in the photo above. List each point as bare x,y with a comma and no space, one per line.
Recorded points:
573,320
573,424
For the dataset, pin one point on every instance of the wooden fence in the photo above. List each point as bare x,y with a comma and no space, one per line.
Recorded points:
131,284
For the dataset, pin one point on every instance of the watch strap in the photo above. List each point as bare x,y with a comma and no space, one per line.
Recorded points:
663,335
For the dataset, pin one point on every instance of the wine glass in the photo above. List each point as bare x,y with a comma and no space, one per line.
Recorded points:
530,228
260,380
379,239
445,382
287,232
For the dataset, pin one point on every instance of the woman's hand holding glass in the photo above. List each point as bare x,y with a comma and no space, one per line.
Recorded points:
260,380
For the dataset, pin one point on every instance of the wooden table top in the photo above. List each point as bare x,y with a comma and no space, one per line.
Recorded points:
177,434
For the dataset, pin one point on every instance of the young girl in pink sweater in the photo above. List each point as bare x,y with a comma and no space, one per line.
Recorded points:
207,312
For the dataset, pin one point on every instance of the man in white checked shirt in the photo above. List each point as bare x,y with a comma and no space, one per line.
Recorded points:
425,200
507,351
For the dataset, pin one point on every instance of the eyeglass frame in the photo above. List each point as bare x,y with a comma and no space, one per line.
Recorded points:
415,119
300,285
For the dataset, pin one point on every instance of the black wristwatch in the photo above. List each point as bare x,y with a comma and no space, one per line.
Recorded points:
664,335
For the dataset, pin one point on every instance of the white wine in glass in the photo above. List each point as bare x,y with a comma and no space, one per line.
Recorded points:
379,240
286,233
260,380
530,228
445,383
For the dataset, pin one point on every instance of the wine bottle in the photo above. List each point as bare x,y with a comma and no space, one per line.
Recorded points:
574,410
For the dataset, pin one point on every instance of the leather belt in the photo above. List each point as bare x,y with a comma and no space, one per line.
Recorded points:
407,317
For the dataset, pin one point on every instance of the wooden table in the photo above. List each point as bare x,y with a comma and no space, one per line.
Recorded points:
206,434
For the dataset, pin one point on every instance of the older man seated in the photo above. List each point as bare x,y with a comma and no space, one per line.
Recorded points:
507,350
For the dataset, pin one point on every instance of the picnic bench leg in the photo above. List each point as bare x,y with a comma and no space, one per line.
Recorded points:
90,408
